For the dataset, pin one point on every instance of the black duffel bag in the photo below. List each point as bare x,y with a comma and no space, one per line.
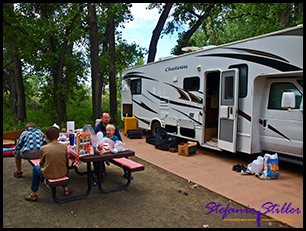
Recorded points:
163,141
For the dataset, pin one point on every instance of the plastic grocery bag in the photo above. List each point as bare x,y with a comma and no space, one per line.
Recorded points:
270,167
94,139
256,166
120,146
105,145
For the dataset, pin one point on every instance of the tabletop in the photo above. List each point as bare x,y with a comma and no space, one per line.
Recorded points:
107,156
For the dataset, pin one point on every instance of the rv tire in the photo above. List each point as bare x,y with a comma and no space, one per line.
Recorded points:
155,125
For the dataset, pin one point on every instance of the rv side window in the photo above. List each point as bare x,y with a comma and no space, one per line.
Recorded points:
243,79
136,86
191,83
276,91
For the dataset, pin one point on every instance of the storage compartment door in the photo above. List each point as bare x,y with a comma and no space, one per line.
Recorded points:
228,110
126,103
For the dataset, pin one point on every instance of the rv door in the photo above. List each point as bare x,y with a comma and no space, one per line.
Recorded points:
228,110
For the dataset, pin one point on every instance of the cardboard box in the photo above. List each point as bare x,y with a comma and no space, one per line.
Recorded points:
187,149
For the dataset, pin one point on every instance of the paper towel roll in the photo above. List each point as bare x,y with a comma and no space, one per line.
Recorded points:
70,126
97,122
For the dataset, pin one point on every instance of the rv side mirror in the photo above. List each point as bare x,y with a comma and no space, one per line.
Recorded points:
288,100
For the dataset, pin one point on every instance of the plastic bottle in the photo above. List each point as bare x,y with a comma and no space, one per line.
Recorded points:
71,137
100,135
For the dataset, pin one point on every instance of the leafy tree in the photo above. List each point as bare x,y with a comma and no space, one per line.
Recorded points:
96,78
109,18
49,39
158,29
243,20
12,29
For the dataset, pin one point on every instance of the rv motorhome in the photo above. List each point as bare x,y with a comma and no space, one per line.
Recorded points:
247,94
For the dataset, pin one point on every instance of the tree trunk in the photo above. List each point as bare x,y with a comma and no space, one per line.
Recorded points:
13,89
190,32
60,87
112,71
18,101
284,15
96,78
59,84
156,33
21,101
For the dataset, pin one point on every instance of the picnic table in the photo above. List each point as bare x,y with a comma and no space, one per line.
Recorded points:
119,159
116,158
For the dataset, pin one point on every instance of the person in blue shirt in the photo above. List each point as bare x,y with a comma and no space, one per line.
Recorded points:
28,146
105,120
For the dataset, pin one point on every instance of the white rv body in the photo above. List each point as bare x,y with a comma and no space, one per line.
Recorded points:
234,91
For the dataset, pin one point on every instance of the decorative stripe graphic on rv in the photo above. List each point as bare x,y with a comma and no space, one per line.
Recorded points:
184,96
187,116
143,105
243,114
142,120
262,53
138,75
180,91
246,116
173,102
274,130
282,66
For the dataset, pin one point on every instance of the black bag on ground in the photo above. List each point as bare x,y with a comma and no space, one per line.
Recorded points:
150,140
134,134
163,141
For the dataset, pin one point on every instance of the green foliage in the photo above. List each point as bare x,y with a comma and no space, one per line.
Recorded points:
79,109
235,21
40,30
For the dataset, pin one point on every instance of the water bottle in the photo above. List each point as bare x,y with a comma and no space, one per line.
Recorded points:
100,135
71,137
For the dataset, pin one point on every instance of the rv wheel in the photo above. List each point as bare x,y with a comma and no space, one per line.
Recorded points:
154,127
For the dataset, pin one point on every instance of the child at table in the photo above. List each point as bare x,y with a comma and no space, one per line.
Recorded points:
110,131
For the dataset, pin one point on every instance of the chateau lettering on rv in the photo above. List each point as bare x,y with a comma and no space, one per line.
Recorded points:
175,68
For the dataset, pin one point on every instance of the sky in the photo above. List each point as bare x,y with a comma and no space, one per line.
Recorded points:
141,28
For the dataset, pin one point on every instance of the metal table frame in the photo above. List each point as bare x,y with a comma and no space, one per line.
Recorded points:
88,160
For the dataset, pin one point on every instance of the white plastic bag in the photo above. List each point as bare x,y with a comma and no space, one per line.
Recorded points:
106,145
120,146
94,139
257,165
